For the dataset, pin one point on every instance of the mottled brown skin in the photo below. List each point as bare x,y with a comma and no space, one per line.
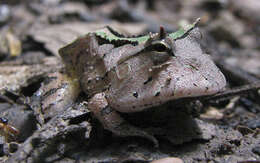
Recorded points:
131,78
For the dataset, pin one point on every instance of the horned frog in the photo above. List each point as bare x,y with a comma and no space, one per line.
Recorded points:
121,74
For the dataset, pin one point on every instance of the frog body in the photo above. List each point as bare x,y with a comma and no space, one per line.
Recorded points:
139,73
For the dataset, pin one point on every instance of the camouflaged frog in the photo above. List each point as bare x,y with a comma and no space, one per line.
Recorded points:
121,74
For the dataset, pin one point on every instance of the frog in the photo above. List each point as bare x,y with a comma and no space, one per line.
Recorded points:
122,74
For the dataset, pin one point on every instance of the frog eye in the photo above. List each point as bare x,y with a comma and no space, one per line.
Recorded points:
160,46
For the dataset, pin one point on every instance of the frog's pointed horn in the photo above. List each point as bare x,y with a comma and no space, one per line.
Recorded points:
162,32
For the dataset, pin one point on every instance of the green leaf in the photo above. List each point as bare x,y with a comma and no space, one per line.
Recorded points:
142,39
181,32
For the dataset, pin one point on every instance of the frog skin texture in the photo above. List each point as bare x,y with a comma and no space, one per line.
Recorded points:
130,78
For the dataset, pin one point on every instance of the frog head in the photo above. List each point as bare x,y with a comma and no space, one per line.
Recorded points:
168,68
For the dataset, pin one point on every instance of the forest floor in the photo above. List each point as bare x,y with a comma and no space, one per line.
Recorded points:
226,130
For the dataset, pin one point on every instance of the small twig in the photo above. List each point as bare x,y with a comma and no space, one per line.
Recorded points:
245,89
6,99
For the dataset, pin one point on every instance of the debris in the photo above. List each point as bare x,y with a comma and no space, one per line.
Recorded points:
10,44
212,113
168,160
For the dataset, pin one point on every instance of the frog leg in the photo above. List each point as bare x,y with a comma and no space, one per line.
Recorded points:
112,121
